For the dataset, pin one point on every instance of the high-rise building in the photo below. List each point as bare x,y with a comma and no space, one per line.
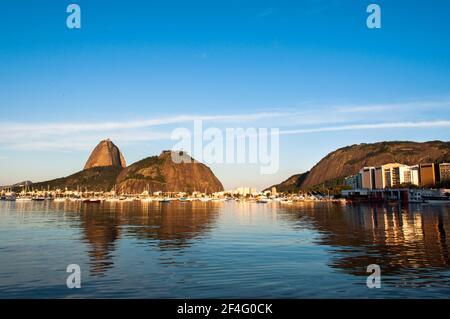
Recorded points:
393,175
353,181
427,175
368,177
444,172
415,173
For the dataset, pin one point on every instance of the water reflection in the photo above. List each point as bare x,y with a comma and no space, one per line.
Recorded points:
100,231
181,250
402,240
169,227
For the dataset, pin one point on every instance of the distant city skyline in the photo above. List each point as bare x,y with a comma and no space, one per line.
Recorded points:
136,71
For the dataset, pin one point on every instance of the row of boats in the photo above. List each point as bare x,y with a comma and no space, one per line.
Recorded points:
259,200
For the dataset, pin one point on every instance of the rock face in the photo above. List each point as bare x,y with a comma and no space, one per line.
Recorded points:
349,160
106,153
161,173
93,179
293,183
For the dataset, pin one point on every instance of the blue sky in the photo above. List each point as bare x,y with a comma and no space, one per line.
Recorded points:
300,66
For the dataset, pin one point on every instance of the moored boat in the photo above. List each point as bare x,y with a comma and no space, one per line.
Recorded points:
263,200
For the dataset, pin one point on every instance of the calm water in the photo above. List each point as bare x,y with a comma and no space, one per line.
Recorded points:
223,250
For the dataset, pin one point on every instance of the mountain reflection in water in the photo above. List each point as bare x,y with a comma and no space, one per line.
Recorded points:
223,250
170,227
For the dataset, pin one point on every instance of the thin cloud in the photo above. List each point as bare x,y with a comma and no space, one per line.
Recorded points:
72,136
67,128
392,106
398,125
265,13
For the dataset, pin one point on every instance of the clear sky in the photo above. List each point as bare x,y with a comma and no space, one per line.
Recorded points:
135,68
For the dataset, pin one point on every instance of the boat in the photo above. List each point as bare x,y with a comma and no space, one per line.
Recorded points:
147,200
205,199
91,200
38,199
59,200
184,199
263,200
286,201
164,200
23,199
436,200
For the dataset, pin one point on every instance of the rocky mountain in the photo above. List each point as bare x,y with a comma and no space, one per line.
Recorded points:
102,178
350,159
106,153
162,173
293,183
105,170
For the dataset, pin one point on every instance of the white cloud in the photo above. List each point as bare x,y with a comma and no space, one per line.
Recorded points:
417,105
69,128
73,136
424,124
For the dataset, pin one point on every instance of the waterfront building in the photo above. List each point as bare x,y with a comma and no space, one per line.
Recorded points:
353,181
244,191
427,175
368,177
392,175
415,173
444,172
273,191
404,195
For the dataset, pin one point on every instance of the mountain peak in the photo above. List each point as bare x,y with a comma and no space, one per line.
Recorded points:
106,153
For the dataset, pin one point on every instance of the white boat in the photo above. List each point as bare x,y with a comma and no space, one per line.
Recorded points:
147,200
205,199
164,200
286,201
263,200
23,199
59,200
438,201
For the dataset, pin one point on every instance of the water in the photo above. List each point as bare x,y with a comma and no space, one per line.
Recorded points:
223,250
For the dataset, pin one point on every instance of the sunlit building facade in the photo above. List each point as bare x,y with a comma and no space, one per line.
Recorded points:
368,177
444,172
427,175
394,174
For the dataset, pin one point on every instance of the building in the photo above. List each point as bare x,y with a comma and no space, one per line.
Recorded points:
367,177
244,191
444,172
393,175
273,191
404,195
415,175
427,175
353,181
